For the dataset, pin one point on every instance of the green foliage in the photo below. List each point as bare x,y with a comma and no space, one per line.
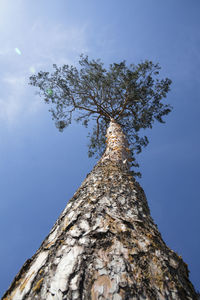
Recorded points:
132,95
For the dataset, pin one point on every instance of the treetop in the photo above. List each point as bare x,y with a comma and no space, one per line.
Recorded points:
132,95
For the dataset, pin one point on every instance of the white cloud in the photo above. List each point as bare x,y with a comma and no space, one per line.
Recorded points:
58,44
12,103
41,46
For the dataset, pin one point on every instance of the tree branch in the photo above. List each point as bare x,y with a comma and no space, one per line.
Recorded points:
123,107
102,110
98,125
82,107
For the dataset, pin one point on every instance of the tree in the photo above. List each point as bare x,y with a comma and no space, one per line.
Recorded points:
104,245
131,95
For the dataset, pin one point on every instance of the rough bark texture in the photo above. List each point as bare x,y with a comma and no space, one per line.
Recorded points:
105,244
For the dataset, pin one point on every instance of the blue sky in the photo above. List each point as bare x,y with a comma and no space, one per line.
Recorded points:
41,168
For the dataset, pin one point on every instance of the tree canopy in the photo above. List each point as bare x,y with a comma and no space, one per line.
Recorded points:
132,95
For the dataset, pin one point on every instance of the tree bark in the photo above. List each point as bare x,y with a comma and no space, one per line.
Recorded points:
105,245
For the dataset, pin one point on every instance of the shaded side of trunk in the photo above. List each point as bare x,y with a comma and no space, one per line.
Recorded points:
105,244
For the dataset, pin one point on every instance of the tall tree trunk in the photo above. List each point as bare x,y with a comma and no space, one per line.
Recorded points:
105,244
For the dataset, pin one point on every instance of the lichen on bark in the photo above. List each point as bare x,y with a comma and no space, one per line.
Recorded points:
105,244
